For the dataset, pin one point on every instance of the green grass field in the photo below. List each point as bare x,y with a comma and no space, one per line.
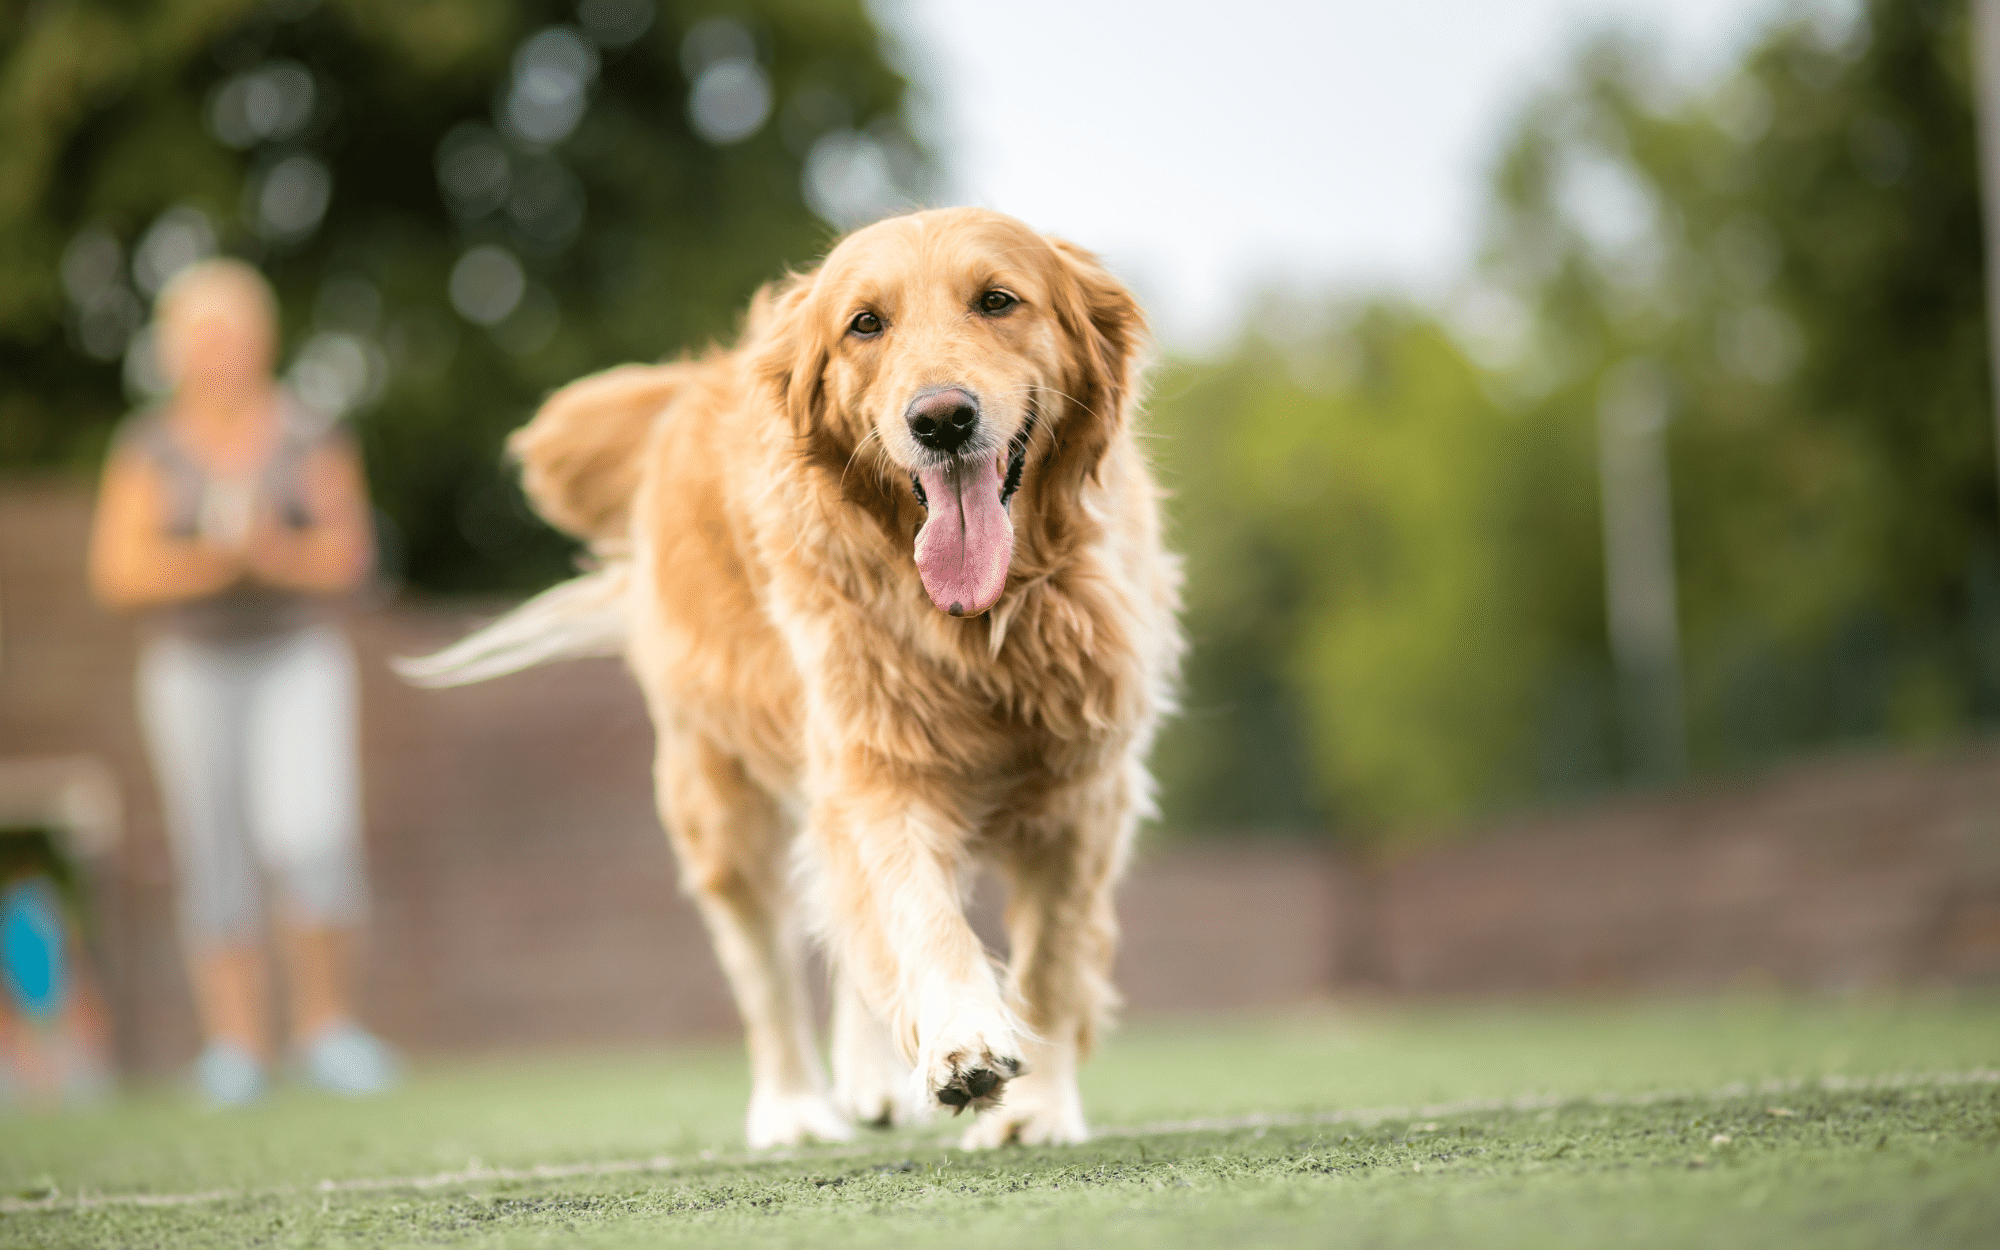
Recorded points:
1749,1122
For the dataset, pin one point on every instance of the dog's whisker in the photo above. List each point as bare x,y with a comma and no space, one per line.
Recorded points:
873,433
1088,410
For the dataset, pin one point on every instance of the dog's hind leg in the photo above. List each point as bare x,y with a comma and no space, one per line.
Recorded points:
871,1080
733,844
1063,933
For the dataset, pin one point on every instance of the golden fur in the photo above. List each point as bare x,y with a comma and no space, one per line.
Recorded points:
759,505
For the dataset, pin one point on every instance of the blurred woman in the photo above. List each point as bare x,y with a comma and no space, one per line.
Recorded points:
228,516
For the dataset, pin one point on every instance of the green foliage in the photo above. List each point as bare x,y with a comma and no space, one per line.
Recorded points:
1804,264
1395,565
107,120
1377,557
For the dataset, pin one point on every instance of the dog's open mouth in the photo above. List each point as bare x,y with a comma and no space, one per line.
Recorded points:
967,541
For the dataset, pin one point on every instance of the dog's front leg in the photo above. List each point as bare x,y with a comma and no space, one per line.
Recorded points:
1063,934
889,870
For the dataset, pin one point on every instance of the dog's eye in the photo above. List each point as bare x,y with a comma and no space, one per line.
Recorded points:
996,302
865,324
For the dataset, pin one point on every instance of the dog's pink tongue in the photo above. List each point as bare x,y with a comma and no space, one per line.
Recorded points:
963,549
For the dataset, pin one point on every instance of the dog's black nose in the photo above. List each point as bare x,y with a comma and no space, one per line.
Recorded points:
944,419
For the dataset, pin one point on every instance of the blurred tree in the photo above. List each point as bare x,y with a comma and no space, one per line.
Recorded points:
461,202
1396,583
1796,250
1389,576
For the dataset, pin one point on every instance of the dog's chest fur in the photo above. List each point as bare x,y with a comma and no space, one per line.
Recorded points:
1044,691
800,637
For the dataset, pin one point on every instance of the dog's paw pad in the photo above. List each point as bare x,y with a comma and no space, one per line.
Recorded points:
883,1116
977,1083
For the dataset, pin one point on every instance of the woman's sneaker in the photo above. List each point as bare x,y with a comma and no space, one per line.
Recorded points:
344,1058
228,1075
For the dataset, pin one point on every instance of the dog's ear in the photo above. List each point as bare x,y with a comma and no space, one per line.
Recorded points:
790,347
1107,345
791,352
580,457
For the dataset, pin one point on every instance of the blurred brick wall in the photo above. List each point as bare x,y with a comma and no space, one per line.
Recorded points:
1870,870
525,897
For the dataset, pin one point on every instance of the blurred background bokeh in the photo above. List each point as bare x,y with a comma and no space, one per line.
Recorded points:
462,205
1644,523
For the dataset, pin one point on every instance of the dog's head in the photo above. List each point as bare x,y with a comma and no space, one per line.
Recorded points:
957,361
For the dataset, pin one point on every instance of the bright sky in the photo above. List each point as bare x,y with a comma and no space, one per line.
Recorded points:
1207,149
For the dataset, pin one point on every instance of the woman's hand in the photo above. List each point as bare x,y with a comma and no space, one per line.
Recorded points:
333,551
134,563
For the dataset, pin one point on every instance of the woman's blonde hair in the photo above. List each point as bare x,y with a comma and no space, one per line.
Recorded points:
208,278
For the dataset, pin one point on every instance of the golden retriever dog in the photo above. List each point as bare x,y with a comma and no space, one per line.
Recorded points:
890,575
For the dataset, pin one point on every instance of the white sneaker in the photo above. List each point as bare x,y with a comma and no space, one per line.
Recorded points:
344,1058
228,1075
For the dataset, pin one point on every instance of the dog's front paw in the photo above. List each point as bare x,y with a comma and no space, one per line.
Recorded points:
969,1069
789,1119
1036,1113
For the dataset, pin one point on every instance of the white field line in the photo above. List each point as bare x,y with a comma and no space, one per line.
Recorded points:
479,1173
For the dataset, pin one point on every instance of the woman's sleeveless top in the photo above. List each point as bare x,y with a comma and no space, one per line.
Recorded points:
201,504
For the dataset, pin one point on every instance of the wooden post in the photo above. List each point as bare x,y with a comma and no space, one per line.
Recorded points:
1641,602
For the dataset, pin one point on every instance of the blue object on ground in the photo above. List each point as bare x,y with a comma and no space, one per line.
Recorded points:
345,1058
229,1076
32,942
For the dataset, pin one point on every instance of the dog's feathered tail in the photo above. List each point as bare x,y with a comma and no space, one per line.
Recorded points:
581,459
583,616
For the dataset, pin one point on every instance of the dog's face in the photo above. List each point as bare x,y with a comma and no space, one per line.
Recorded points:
932,350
